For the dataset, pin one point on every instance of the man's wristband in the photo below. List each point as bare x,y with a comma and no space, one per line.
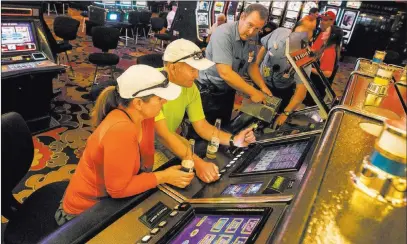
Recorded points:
232,138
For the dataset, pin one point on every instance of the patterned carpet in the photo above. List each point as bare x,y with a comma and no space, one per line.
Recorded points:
58,151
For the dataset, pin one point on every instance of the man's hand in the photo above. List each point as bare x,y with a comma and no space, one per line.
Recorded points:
266,90
258,97
280,120
206,171
244,138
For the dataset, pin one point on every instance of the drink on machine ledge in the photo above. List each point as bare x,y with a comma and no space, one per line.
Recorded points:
379,57
213,145
187,165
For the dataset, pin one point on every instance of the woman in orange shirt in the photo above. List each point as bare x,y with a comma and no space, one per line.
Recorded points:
119,154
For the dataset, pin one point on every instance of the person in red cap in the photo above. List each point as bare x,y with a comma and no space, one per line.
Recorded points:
327,20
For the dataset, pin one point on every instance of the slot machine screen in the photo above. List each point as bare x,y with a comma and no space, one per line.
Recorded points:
203,19
113,16
291,15
141,4
203,6
276,21
238,190
277,12
222,227
285,156
294,6
17,37
277,4
219,6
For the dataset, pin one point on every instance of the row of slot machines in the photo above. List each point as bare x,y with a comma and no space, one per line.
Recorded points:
283,13
292,186
118,11
27,65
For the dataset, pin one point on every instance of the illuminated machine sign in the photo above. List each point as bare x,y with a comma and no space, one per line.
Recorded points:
353,4
335,3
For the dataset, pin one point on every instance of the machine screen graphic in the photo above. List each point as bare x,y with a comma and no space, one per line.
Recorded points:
238,190
206,229
16,37
286,156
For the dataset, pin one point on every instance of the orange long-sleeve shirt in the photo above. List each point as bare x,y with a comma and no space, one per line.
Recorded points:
111,163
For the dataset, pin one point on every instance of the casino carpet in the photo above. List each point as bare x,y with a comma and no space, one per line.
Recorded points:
58,151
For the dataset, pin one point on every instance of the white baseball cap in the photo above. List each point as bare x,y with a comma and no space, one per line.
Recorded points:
185,51
142,80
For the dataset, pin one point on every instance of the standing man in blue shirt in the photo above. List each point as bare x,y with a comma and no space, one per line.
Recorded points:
283,81
233,48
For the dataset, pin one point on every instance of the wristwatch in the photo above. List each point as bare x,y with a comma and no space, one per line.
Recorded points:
232,138
287,113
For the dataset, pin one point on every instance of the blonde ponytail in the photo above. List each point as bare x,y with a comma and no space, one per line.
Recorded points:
106,102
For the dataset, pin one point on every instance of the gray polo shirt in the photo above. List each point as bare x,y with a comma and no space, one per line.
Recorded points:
275,43
226,47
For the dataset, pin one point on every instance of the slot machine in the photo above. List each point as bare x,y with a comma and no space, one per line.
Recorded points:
203,18
348,20
291,15
218,7
27,65
277,10
307,7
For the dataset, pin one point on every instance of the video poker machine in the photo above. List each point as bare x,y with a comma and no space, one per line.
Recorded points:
27,65
291,15
164,218
277,11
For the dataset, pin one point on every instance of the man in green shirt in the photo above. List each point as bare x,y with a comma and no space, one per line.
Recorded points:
182,60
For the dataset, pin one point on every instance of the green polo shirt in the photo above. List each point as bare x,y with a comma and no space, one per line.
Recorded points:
173,111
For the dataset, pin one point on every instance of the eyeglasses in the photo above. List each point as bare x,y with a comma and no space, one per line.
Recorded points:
196,55
163,84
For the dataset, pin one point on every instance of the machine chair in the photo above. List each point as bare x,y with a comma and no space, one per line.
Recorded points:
33,219
67,29
157,24
104,38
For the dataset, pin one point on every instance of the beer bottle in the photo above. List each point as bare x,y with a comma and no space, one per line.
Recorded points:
213,145
188,163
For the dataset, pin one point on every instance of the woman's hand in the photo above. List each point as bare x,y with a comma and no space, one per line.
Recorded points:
174,176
